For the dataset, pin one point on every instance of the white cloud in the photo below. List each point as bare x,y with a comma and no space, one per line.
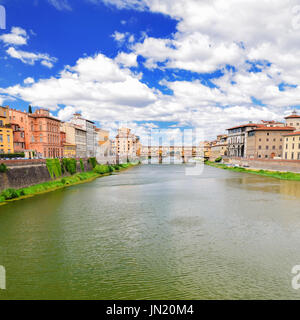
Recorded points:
95,85
127,59
17,36
31,57
119,36
60,4
29,80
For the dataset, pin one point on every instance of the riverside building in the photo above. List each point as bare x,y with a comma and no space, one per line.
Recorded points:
90,134
6,132
266,142
291,146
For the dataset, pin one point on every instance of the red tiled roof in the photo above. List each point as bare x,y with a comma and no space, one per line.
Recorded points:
246,125
292,116
265,128
296,133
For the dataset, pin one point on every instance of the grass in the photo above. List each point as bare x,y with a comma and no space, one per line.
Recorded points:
266,173
82,177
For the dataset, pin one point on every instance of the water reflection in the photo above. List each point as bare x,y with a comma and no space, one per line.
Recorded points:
154,233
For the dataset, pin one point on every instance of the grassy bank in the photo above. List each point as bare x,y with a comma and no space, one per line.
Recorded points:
266,173
82,177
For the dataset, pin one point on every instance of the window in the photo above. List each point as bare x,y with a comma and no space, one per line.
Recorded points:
268,134
293,146
8,139
285,155
267,147
292,156
274,139
280,147
298,155
259,155
1,137
266,156
267,140
273,147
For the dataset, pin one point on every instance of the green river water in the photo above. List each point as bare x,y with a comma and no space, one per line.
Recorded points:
153,232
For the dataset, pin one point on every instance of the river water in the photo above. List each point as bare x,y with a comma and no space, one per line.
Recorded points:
153,232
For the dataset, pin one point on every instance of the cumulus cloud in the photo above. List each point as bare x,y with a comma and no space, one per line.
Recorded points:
29,80
17,36
31,57
96,85
127,59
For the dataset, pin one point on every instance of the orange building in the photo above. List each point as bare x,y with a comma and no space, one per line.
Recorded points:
42,132
6,132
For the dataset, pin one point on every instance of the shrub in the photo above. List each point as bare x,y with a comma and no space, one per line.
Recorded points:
219,159
101,168
111,168
9,194
3,167
81,165
93,162
117,167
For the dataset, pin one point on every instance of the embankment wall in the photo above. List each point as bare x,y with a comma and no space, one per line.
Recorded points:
25,173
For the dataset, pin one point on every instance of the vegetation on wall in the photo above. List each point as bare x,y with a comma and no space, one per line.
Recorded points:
3,167
81,165
93,162
70,165
12,155
54,168
219,159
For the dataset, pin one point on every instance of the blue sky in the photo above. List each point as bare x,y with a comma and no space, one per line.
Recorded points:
154,63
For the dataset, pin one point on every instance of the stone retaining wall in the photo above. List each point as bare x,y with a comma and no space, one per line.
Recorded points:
25,173
276,165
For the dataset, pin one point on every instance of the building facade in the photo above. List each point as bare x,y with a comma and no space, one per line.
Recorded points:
80,142
293,121
19,138
266,142
41,132
126,143
6,132
237,139
89,128
219,147
291,146
68,141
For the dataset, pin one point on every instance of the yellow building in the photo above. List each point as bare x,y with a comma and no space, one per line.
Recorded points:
291,146
69,150
6,132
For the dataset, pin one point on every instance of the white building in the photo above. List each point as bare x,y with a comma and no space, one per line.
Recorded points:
89,127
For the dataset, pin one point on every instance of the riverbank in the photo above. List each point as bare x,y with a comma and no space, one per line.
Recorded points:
10,194
266,173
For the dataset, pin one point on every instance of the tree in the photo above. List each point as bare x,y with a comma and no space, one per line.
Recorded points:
29,109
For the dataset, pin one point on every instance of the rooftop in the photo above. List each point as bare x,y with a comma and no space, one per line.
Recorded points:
296,133
294,115
265,128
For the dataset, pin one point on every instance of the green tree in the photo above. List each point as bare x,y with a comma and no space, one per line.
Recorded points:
29,109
